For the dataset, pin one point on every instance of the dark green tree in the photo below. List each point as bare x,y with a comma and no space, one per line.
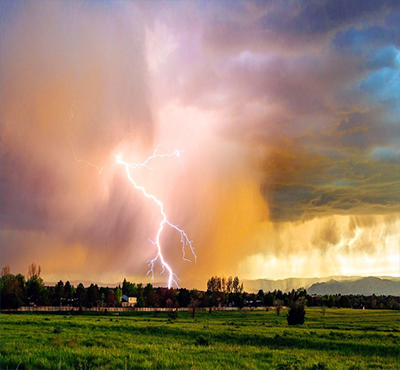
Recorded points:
81,295
118,295
36,292
184,297
140,296
59,292
297,312
93,296
12,289
128,288
68,290
150,296
269,299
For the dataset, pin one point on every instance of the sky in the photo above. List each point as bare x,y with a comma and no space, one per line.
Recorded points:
287,112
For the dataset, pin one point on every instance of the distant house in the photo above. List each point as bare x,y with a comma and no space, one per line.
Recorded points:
128,301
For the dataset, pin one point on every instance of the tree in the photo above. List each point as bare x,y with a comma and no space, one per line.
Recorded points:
269,299
140,297
184,297
81,295
223,284
93,296
59,290
259,298
194,303
129,288
236,285
238,300
34,270
118,295
214,284
35,290
68,290
12,289
150,296
5,271
229,285
220,288
110,298
296,313
278,306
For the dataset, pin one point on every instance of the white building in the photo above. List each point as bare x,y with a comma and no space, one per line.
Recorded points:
128,301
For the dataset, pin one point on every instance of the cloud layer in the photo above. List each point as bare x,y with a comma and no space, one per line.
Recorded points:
288,114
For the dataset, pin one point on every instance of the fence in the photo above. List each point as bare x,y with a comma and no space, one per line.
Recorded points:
119,309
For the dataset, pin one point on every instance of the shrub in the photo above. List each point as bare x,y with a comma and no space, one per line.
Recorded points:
296,314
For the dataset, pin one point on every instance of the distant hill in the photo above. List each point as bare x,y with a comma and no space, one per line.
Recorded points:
319,285
286,285
366,286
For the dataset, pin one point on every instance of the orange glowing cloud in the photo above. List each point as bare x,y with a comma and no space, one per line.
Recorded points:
291,161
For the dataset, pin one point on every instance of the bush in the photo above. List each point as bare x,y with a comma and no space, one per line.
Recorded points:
296,314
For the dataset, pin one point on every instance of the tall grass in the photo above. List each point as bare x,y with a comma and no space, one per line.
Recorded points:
340,339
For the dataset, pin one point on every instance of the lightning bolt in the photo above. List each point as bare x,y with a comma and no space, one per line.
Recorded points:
172,279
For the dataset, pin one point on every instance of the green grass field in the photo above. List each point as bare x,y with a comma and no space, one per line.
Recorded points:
342,339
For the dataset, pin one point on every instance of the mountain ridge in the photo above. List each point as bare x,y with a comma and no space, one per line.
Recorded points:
364,286
323,285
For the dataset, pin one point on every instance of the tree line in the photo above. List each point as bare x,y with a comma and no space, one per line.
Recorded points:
17,291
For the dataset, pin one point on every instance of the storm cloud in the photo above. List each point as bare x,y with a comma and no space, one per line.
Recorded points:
288,114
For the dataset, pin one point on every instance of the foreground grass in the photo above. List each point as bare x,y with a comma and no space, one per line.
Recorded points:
342,339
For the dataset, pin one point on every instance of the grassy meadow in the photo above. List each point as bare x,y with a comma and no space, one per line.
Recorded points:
340,339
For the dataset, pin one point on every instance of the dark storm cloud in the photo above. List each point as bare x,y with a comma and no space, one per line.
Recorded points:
334,102
297,101
302,184
291,27
319,17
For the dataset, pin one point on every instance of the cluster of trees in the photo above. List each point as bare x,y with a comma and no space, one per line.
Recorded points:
337,300
355,301
223,292
16,290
